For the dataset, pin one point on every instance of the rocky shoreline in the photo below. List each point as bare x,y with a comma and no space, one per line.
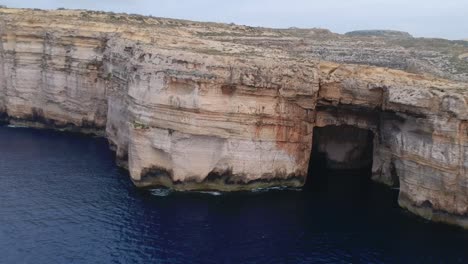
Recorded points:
197,106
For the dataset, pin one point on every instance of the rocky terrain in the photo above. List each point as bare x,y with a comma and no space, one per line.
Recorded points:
191,105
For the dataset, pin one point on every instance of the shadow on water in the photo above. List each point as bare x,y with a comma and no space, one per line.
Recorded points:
63,200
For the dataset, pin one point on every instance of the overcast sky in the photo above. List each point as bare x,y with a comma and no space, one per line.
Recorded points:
422,18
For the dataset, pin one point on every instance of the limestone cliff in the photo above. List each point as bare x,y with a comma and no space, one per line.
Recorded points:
192,105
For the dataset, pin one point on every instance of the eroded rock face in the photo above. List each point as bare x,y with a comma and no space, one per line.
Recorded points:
421,133
344,147
191,111
192,116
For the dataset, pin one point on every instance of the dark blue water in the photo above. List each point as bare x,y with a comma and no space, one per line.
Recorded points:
63,200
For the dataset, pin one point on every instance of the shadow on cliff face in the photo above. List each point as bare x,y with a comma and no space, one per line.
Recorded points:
341,160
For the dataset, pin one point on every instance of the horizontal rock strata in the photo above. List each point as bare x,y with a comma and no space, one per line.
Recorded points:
192,105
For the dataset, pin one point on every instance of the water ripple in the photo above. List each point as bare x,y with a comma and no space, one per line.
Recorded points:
63,200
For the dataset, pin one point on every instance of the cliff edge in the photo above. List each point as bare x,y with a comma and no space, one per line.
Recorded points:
191,105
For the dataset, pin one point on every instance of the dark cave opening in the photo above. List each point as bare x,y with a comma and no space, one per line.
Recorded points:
341,158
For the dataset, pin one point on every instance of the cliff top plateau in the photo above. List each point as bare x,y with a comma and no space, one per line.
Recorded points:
384,48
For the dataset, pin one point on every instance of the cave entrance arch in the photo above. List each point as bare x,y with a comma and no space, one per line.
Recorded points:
343,151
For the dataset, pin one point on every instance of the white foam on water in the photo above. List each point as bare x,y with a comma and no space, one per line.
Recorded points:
16,126
162,192
276,188
211,193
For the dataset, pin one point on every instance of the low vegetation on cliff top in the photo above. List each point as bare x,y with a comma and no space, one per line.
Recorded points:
384,48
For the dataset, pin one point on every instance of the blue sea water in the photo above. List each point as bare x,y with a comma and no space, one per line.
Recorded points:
63,200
